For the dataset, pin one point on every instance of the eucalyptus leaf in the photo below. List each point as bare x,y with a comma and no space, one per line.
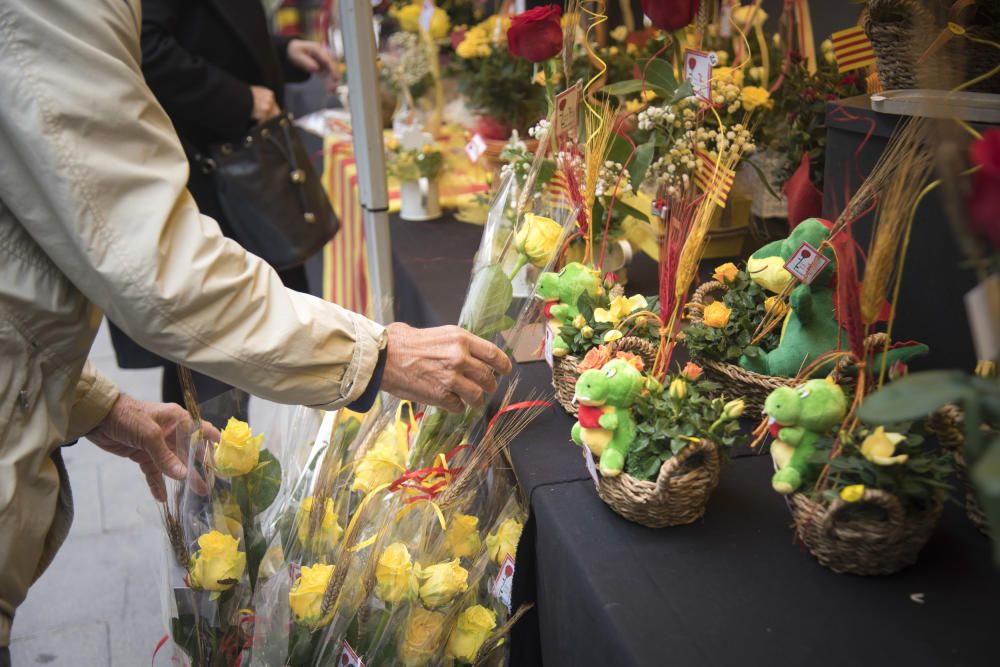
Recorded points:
490,295
263,482
914,396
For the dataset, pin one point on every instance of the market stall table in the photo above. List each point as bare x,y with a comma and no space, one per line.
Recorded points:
730,589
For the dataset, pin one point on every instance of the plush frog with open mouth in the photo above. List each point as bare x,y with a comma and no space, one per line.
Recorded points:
605,424
562,291
798,417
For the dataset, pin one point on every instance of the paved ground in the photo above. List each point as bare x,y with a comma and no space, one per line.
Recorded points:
99,603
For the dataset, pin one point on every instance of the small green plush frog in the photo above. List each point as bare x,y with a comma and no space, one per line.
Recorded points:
605,424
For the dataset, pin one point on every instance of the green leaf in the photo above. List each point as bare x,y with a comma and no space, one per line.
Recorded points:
683,91
263,482
490,296
630,87
914,396
640,164
659,74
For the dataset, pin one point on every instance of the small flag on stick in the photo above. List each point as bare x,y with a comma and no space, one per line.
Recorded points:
852,49
714,178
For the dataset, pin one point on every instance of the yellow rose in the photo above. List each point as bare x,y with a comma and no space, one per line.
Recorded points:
880,448
408,17
722,57
327,533
775,306
619,34
726,273
218,563
503,543
441,583
742,15
383,463
422,637
440,24
678,389
852,493
619,309
473,627
612,335
463,536
537,238
238,450
716,315
734,408
634,106
394,580
306,596
755,97
728,74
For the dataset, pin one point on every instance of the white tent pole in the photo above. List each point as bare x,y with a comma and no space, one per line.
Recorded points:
369,155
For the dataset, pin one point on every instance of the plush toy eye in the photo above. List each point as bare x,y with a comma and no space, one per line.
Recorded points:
803,392
611,372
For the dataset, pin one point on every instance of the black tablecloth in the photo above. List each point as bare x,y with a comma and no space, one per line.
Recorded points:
730,589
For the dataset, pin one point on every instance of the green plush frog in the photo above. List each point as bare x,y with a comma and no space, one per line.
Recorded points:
605,424
810,328
797,418
563,291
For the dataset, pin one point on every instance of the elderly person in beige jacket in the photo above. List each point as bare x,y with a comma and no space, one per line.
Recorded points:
94,217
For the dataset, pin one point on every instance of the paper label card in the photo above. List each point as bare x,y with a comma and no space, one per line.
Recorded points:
349,658
567,116
698,70
588,457
427,15
475,148
549,341
503,584
982,305
806,263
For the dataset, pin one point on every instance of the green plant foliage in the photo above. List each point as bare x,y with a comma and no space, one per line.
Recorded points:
499,86
919,483
745,299
580,342
666,424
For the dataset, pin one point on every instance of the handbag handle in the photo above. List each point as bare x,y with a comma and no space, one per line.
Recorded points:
297,174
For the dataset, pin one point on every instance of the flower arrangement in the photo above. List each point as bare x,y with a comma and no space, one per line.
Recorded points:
728,326
411,165
406,64
669,418
494,81
607,317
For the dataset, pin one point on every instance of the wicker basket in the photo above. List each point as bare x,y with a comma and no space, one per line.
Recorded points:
866,546
754,388
677,497
897,43
946,424
565,371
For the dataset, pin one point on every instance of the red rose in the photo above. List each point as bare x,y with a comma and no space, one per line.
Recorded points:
536,35
984,199
670,15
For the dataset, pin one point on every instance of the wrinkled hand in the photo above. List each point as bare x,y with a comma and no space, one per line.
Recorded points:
444,366
312,57
154,435
265,105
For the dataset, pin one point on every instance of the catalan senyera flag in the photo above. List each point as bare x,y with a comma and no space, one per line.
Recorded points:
345,260
852,49
714,179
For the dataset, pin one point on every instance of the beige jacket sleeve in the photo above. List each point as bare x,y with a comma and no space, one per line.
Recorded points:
103,193
94,397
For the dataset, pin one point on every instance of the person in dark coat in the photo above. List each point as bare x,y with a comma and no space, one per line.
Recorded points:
217,71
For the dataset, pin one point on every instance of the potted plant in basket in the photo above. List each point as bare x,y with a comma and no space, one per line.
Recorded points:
659,449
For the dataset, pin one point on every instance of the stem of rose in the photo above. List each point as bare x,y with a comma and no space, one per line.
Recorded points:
550,92
522,259
380,630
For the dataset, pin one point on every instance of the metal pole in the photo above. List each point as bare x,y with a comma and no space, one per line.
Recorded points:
366,126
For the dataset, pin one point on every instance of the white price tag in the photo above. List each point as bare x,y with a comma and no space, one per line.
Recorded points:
588,457
982,304
567,115
806,263
349,658
503,584
550,338
698,70
475,148
427,15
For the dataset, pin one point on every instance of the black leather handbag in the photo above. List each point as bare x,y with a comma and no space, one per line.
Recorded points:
271,195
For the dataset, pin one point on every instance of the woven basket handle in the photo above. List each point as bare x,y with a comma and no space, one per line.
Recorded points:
887,501
696,306
672,465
